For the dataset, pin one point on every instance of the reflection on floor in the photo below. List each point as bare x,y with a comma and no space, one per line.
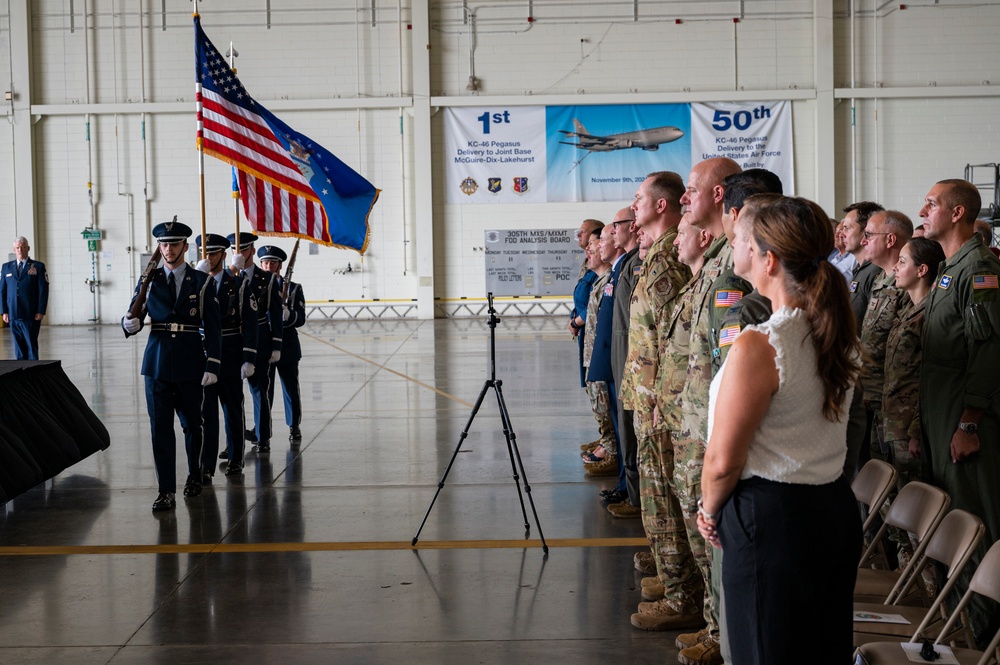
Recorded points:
306,558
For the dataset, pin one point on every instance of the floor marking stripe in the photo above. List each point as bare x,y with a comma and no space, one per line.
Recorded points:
253,548
382,366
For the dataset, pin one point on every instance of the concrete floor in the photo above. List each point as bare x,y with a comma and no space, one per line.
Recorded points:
306,558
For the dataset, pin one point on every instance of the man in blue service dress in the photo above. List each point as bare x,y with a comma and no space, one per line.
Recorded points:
293,315
238,311
24,294
178,362
264,287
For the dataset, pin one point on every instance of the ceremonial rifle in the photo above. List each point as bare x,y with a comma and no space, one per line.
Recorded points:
288,273
147,277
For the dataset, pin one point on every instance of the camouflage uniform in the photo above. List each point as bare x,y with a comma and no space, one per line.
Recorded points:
883,307
901,391
598,390
719,286
661,512
659,283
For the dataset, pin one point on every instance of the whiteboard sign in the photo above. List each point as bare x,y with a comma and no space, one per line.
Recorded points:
532,262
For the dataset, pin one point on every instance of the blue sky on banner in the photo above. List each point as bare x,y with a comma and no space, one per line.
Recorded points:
578,175
345,195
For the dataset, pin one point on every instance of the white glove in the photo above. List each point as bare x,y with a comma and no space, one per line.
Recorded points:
204,266
237,261
208,379
246,371
275,357
131,325
285,313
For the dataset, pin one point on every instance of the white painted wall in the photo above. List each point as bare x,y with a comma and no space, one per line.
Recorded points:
320,61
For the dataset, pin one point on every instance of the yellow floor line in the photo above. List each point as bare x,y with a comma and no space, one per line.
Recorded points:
253,548
391,371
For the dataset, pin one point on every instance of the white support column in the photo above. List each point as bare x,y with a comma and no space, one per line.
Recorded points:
24,148
423,211
825,134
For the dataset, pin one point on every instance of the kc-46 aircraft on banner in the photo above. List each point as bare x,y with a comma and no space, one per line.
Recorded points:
646,139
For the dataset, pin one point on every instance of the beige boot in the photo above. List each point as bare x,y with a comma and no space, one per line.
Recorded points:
706,652
660,616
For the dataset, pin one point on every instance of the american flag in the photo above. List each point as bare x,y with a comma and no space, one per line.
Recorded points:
727,298
984,281
290,185
728,335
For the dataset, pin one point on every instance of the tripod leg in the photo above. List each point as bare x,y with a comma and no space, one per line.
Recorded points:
461,439
508,433
514,453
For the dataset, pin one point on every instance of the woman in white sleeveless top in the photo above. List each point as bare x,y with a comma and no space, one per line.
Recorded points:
773,492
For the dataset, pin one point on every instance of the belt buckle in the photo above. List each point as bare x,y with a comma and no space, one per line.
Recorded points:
174,327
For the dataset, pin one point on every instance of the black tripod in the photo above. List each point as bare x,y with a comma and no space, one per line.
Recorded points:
508,432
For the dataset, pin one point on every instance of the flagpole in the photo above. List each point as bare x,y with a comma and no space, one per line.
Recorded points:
236,188
201,152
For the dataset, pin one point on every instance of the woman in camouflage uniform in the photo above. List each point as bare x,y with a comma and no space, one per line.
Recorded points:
915,273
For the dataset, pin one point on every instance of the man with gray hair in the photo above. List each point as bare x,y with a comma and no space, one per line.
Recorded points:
24,294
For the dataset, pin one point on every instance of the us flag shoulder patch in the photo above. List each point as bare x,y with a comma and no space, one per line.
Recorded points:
728,335
984,281
726,298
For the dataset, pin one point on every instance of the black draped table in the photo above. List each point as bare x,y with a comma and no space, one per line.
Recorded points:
45,425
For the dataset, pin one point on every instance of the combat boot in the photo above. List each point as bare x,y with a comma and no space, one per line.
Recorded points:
685,640
653,592
660,616
624,510
605,467
644,562
705,652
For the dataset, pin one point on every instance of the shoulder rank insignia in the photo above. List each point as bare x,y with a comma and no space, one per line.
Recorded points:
944,282
726,298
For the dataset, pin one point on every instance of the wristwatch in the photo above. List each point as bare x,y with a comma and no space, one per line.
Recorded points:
969,428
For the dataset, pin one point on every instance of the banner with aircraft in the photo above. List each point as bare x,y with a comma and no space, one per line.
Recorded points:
534,154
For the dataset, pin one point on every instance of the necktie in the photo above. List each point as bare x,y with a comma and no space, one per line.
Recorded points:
20,268
172,284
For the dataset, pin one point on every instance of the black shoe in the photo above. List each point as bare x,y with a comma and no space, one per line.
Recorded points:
295,434
614,496
206,477
224,454
164,501
264,447
250,435
192,487
234,468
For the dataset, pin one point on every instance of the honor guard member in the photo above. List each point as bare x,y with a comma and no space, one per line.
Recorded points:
293,315
24,294
238,311
265,290
179,361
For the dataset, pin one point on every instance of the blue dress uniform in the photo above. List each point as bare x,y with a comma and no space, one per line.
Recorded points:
264,288
24,292
238,313
176,359
291,351
600,361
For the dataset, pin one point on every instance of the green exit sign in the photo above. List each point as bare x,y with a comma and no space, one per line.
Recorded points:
92,234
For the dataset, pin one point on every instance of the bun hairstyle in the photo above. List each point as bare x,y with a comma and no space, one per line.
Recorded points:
798,233
926,253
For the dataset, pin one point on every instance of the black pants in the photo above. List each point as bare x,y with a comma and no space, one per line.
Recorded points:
163,398
790,562
229,392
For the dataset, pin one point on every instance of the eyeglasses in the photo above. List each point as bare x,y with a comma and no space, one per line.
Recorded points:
869,235
622,221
